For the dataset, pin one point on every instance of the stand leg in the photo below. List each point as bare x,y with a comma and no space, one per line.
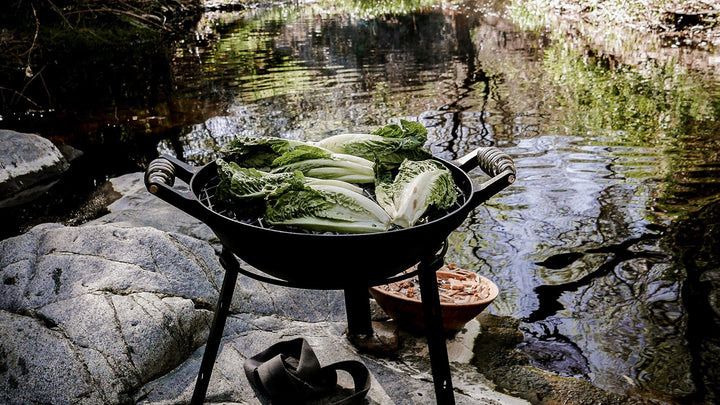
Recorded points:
230,264
435,332
357,306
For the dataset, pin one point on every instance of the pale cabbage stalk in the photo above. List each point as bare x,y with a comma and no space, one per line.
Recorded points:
389,145
281,155
244,182
327,208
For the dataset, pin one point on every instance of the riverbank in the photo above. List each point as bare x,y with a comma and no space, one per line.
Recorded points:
691,23
124,303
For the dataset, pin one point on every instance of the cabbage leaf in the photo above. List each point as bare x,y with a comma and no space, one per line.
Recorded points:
278,155
242,182
293,199
417,186
390,145
327,208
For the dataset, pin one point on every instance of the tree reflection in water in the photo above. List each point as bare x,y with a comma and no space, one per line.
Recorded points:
696,242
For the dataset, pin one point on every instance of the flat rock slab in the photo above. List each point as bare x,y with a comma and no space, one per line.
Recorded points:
90,314
404,379
54,263
137,207
28,166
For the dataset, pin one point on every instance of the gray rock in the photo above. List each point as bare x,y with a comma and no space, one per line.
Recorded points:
96,348
125,341
405,379
29,165
51,263
38,363
137,207
120,306
252,296
248,335
70,153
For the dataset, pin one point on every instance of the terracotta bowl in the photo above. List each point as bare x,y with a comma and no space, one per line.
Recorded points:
463,296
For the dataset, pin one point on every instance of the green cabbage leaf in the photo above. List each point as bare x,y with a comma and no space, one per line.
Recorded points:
327,208
293,199
390,145
417,187
246,182
276,155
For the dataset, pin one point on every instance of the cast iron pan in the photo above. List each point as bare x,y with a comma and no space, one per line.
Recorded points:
329,261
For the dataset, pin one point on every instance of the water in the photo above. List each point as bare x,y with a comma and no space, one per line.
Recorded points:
606,246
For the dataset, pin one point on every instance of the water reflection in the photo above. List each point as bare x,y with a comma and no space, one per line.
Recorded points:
309,72
585,268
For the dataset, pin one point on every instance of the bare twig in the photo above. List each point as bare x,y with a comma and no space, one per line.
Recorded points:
147,19
20,95
22,92
59,12
47,90
35,36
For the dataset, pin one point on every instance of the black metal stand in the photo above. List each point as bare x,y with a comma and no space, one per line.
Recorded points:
357,310
357,307
435,333
230,263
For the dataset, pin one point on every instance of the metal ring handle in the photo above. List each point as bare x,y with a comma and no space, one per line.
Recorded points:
160,170
493,162
499,166
161,176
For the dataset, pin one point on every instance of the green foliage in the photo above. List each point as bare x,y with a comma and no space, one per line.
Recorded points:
648,104
90,23
53,48
533,14
369,9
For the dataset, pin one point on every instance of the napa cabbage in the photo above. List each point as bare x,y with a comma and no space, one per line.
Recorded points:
246,182
389,145
293,199
276,155
327,208
417,187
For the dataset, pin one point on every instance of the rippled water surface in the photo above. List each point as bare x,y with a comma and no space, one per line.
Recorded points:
606,246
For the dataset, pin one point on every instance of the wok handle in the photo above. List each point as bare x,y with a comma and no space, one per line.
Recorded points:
165,168
496,164
160,179
490,159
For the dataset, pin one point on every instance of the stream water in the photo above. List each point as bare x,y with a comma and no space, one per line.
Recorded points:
606,246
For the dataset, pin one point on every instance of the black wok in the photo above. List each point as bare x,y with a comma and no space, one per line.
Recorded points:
334,261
